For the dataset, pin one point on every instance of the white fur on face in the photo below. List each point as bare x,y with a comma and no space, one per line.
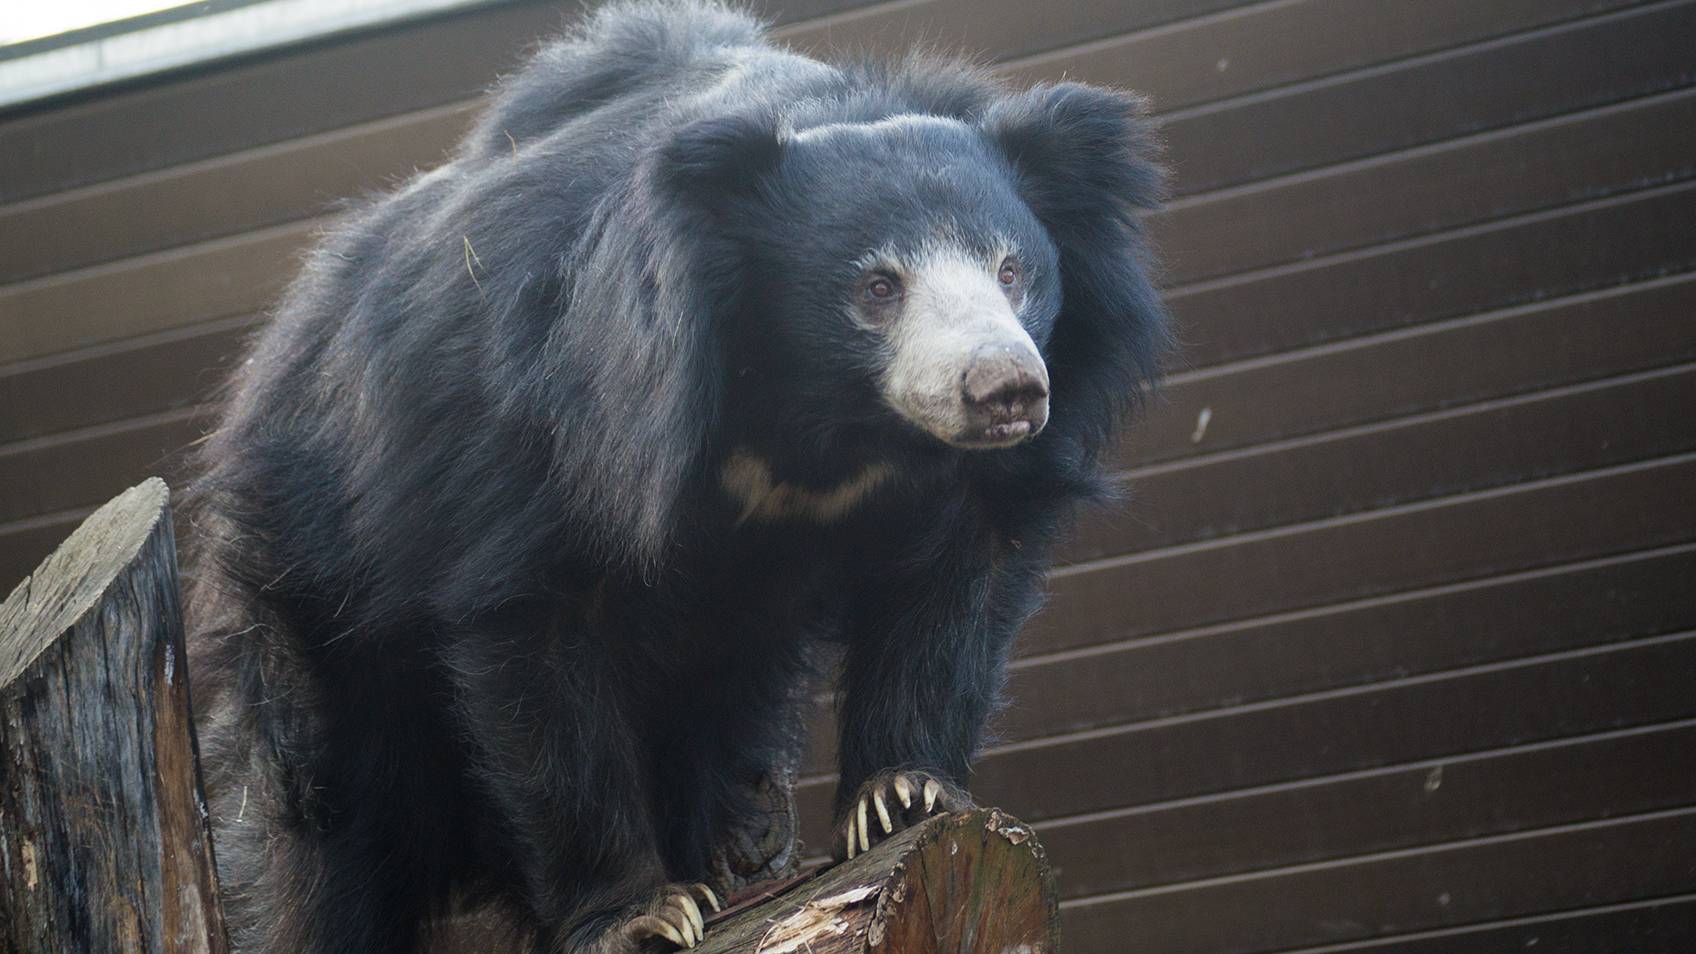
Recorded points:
748,479
954,309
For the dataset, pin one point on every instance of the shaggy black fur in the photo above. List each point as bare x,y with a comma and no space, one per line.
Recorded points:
475,614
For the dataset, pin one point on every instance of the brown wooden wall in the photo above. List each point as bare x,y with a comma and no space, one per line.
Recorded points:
1395,649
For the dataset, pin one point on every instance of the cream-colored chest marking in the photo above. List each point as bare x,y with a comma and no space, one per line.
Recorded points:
747,478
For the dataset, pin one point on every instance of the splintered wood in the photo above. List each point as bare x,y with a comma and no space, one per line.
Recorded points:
975,883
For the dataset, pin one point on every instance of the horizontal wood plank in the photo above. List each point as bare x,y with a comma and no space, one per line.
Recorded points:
105,383
1621,509
1539,165
1582,426
87,468
1263,45
1377,377
247,190
1356,643
158,292
1618,860
995,29
1425,803
1658,926
1595,244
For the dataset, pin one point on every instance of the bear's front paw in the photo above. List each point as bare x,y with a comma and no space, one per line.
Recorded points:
890,801
760,844
674,917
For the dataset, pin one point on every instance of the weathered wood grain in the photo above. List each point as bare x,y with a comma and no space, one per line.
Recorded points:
104,844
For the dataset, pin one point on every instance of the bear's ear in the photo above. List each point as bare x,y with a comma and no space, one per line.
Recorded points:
1075,146
1083,158
720,156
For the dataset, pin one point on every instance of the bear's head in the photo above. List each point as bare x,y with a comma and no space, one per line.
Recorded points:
908,271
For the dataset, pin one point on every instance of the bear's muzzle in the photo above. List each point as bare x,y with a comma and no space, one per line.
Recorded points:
1004,396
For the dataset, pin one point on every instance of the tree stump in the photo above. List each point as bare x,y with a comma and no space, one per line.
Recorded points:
104,842
974,883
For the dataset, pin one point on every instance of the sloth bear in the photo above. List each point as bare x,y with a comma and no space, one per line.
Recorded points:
531,503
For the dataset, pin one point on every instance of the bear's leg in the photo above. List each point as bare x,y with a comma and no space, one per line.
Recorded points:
562,769
331,821
730,744
318,895
315,859
927,648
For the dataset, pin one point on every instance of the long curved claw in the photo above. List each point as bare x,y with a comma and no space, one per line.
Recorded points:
882,812
649,924
904,791
708,896
675,916
693,913
894,798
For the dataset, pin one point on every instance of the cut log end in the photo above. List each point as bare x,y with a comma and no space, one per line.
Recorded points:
962,884
73,579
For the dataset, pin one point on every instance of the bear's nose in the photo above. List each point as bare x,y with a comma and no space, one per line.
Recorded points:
1005,394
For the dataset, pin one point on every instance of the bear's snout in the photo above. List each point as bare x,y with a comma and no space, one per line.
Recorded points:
1004,393
962,367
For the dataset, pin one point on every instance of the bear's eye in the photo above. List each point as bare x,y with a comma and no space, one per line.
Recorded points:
1009,274
882,288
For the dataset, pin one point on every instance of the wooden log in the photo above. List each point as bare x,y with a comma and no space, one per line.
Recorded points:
973,883
104,842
